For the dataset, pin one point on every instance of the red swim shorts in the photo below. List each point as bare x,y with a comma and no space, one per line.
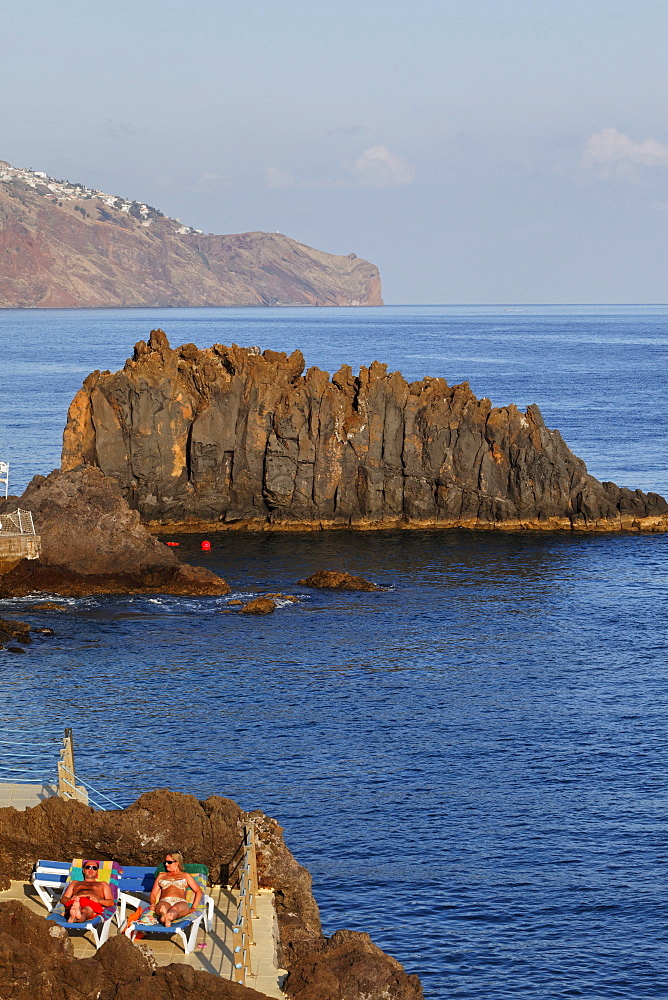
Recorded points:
95,904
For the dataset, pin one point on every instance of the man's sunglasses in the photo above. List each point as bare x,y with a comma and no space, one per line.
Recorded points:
92,868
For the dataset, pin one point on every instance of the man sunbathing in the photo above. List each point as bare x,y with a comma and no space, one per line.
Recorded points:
84,900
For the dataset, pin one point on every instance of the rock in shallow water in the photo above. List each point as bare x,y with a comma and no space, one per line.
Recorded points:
259,606
10,629
350,966
331,579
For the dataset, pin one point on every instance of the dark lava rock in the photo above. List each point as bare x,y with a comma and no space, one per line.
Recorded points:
92,543
181,982
350,966
229,436
259,606
33,575
36,963
27,941
209,832
331,579
15,649
122,964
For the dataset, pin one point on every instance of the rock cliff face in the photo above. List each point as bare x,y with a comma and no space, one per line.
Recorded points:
66,245
230,437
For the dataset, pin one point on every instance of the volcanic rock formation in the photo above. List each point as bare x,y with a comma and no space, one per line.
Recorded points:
37,963
63,244
229,437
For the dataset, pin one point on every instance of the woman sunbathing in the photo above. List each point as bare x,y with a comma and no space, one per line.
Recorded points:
168,895
87,899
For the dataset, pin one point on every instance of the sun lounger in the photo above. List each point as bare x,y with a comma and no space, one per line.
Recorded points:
135,889
50,879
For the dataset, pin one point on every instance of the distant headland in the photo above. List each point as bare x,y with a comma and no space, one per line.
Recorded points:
64,245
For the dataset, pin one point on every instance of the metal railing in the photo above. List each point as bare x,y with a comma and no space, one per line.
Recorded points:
67,779
18,523
242,932
32,767
19,766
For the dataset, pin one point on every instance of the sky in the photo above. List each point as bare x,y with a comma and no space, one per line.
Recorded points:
477,151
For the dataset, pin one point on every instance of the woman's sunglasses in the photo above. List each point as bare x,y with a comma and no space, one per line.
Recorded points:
91,868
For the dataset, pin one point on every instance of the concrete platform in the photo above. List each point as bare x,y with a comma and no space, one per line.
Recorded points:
24,796
15,547
215,956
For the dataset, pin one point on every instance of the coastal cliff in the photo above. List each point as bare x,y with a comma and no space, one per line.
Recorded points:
229,437
66,245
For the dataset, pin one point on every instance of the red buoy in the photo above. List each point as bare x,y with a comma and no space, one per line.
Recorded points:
206,545
172,544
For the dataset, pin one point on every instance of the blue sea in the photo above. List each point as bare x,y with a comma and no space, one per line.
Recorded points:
471,763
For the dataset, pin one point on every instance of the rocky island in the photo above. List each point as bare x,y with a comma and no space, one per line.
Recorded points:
229,437
68,245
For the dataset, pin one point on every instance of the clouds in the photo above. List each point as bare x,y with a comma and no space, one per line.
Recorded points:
274,178
376,167
379,167
612,152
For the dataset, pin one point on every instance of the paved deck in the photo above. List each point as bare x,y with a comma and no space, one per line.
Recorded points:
215,957
15,547
24,796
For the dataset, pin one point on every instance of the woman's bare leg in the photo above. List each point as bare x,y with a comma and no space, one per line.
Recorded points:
175,912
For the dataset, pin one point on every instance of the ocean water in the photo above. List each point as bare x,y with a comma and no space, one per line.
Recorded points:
471,763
